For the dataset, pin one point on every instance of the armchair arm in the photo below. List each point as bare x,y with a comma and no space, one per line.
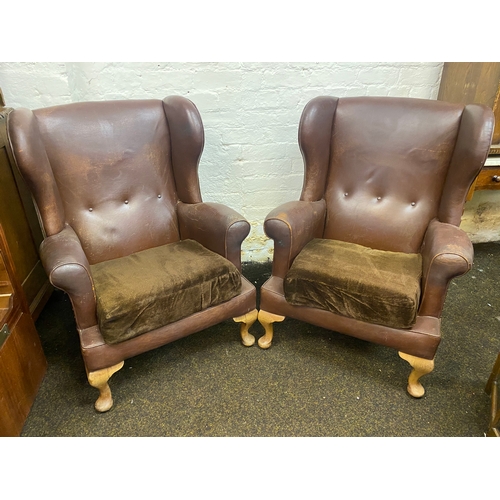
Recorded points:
217,227
68,269
447,252
291,226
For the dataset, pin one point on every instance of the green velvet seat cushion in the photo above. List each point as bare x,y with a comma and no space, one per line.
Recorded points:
369,285
155,287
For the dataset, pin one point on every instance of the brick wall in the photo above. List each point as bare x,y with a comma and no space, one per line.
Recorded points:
250,111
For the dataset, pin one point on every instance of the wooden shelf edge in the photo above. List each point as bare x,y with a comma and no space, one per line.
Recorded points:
495,149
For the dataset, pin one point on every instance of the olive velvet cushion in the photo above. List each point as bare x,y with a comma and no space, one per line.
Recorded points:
155,287
369,285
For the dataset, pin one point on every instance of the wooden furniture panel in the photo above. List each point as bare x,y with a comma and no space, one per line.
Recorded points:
22,368
476,82
21,224
22,361
473,82
488,178
492,389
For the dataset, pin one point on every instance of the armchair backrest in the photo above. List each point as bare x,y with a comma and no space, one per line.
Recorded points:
387,166
112,170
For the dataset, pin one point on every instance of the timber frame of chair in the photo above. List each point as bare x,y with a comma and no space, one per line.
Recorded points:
390,174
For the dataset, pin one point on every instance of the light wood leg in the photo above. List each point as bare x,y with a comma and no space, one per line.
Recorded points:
99,380
420,367
266,319
247,320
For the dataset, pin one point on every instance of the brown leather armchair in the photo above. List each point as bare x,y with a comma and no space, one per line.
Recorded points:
373,242
127,236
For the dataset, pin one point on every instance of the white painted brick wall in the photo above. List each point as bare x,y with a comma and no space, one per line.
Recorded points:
250,111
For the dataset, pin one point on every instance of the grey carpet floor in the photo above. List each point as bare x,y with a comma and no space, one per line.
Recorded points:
311,382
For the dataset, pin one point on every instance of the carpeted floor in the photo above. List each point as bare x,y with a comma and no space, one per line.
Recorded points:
311,382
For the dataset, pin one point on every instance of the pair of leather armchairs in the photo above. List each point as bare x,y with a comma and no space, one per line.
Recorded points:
368,250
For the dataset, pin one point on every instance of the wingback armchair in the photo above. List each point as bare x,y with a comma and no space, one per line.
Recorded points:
371,246
127,236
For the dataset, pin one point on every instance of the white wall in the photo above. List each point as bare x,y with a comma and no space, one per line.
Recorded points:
250,111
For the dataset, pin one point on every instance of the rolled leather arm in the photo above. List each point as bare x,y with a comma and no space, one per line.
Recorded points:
217,227
291,226
68,269
447,252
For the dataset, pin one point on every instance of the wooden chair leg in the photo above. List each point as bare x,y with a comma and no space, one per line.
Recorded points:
266,319
99,380
492,389
247,320
420,367
495,373
493,430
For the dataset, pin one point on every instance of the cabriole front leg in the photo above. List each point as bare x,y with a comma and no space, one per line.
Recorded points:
99,380
420,367
266,319
247,320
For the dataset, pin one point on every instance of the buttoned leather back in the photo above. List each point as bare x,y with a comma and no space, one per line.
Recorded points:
387,166
107,169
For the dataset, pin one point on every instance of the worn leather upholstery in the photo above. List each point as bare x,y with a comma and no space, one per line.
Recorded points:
390,174
111,179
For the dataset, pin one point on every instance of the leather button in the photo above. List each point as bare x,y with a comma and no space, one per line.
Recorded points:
413,203
159,196
379,198
345,194
126,202
90,209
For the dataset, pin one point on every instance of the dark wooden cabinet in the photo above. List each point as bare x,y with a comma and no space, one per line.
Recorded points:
477,82
21,225
22,361
24,290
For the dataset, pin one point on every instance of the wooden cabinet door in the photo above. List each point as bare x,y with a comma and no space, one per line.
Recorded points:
22,368
22,361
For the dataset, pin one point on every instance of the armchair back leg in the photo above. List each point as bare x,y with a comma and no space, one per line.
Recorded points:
247,320
266,319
